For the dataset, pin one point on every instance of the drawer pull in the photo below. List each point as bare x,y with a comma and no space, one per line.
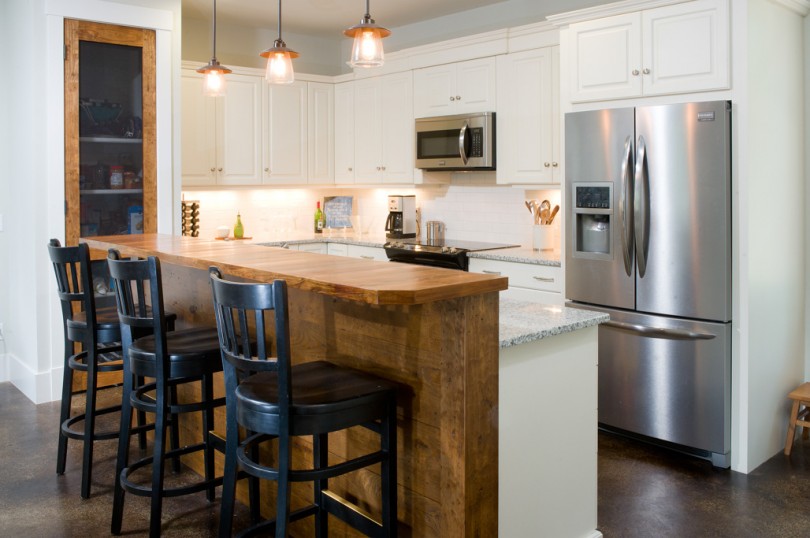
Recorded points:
492,272
543,278
367,257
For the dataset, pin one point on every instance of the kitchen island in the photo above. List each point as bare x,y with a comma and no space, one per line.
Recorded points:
434,331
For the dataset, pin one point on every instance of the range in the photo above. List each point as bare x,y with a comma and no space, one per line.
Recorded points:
448,253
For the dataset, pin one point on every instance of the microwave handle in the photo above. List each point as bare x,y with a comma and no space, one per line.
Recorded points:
462,143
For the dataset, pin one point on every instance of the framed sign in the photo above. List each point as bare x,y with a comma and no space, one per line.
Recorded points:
337,211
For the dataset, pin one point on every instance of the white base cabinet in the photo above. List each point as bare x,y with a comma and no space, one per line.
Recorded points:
527,281
528,119
681,48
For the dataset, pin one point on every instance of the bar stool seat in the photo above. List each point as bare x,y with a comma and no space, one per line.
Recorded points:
171,359
274,401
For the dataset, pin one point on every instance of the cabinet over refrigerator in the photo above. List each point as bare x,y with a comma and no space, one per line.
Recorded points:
649,196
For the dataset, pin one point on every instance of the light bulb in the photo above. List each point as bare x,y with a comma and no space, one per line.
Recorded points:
367,50
279,68
214,84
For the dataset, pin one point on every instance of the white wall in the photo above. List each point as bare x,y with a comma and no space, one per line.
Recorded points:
32,181
772,224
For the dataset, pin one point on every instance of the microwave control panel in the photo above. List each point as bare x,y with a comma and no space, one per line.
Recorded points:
476,142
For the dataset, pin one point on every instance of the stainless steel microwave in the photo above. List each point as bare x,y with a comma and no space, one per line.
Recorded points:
462,142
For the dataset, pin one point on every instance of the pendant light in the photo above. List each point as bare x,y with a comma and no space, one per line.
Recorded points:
367,50
214,84
279,59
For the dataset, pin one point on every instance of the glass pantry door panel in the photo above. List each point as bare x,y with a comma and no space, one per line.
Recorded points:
109,130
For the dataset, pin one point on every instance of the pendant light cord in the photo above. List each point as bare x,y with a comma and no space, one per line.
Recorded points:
214,31
279,21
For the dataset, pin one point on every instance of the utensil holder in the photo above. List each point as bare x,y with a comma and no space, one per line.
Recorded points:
543,237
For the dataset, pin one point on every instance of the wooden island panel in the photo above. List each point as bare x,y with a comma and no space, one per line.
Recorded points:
377,317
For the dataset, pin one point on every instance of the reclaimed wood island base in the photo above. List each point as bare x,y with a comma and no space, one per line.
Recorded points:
434,331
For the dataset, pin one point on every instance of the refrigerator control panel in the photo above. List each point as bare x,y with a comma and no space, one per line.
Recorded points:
593,197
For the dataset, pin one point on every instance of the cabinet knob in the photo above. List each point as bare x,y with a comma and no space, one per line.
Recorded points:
458,98
267,170
635,72
383,168
646,71
213,169
546,165
452,98
219,169
350,169
378,168
555,165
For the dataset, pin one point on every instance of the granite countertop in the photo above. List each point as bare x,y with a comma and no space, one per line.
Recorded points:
363,240
520,255
522,321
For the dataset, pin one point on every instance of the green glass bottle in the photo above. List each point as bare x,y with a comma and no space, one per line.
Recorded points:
238,230
318,219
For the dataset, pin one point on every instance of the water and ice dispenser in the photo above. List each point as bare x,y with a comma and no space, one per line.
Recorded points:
593,215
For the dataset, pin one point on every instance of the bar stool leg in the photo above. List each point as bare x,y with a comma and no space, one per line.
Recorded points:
64,412
320,451
122,460
388,470
174,433
283,500
159,459
207,390
794,413
89,422
229,474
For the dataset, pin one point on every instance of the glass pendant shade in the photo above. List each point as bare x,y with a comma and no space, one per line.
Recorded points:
214,82
279,64
367,50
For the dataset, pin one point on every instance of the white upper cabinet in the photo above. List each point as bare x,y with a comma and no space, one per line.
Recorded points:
528,126
220,135
456,88
285,134
344,132
321,132
384,129
680,48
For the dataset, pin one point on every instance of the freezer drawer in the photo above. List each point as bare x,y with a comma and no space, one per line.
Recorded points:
667,378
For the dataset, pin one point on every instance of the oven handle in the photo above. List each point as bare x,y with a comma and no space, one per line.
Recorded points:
462,143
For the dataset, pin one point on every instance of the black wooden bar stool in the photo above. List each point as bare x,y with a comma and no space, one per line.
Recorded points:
99,335
171,359
275,401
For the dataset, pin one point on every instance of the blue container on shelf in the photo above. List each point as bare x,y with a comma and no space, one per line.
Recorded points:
135,220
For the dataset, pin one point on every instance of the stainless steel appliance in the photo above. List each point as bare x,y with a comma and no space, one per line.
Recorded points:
447,253
649,234
462,142
401,221
434,232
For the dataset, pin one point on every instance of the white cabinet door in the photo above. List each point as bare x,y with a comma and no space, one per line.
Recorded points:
680,48
528,127
397,129
367,129
476,86
527,281
239,131
220,135
367,253
685,47
606,58
456,88
344,132
337,249
285,134
384,129
321,132
198,137
434,91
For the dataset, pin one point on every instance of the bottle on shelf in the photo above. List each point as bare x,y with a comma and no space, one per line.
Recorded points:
318,218
238,230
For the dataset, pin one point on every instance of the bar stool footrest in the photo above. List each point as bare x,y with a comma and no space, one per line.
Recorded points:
70,433
146,490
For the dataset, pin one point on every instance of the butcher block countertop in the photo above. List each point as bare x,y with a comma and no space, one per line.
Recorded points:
371,282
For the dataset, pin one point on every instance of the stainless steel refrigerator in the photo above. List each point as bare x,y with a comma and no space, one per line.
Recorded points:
648,230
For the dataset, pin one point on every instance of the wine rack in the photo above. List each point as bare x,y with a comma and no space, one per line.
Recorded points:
191,217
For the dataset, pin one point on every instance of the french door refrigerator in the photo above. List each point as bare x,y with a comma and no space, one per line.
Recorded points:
648,191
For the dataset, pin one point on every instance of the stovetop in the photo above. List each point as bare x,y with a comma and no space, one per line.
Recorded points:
447,246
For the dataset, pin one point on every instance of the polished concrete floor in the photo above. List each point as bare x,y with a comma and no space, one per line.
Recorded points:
644,491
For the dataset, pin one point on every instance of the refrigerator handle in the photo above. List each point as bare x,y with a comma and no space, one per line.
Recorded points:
641,207
671,334
626,206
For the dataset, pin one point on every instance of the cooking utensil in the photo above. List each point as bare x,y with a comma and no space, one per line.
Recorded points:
553,214
545,208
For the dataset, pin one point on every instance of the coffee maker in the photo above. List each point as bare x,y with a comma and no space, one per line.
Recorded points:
401,221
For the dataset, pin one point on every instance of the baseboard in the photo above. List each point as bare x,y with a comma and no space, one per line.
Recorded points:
39,387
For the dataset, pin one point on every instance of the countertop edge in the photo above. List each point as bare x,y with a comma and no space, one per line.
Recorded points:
522,321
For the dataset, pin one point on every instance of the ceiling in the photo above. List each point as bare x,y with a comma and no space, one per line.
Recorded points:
321,17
